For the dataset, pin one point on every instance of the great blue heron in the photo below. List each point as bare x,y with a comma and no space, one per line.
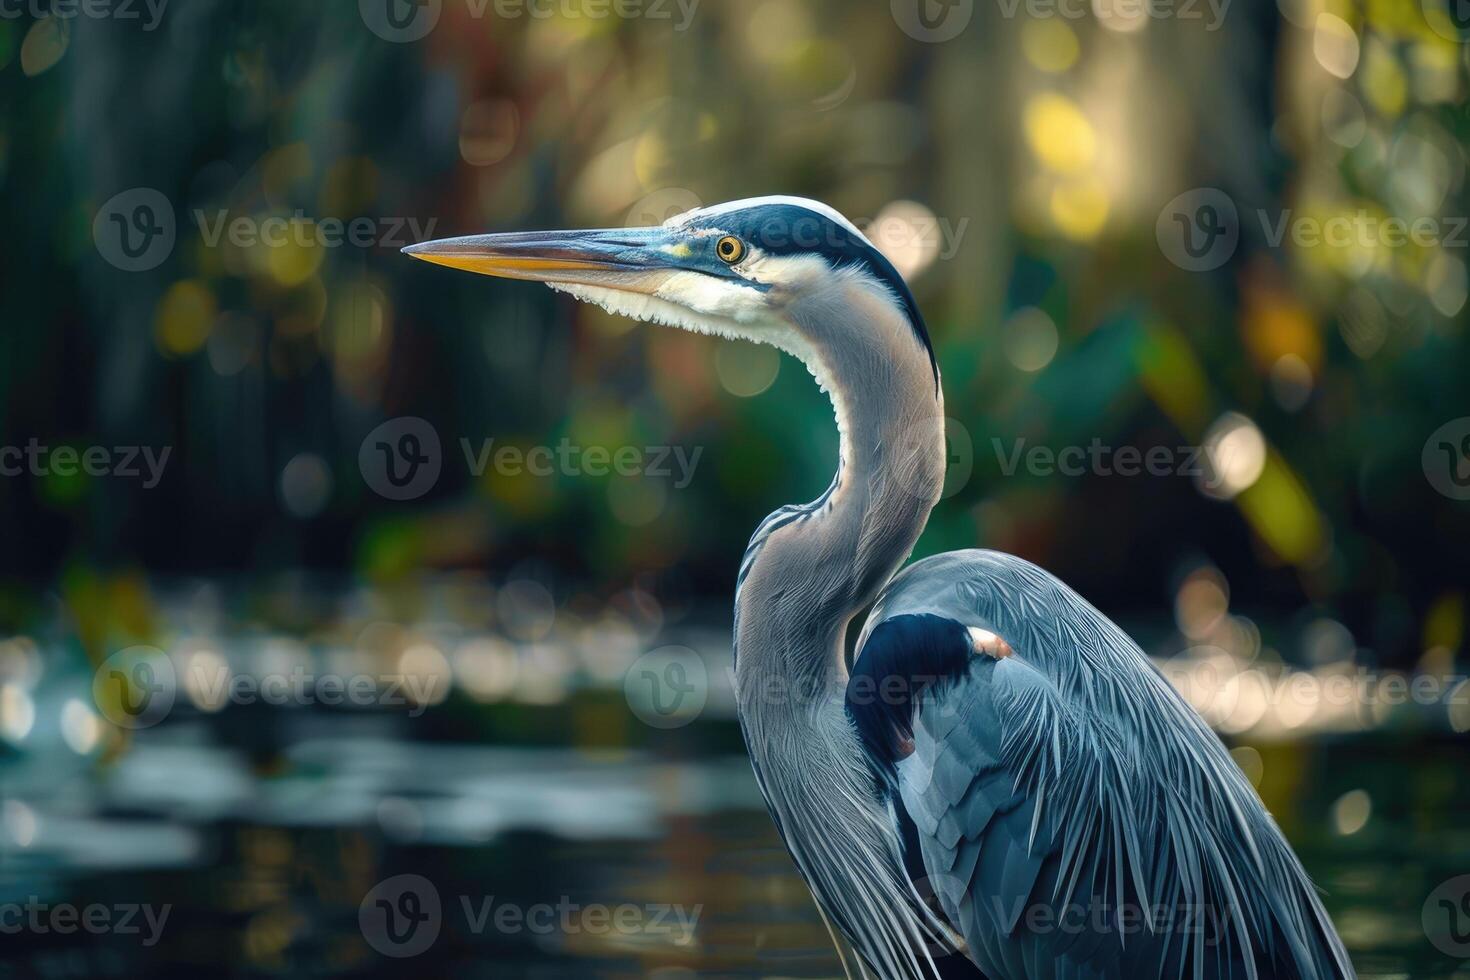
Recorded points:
1001,771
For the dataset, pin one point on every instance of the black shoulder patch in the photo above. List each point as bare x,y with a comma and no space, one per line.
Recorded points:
789,229
904,658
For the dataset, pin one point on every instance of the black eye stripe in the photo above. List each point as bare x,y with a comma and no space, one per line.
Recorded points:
788,229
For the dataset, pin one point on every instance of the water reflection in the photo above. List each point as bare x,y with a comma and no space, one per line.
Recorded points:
519,808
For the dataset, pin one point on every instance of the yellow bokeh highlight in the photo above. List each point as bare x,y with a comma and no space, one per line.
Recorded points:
1444,626
184,317
776,30
1174,378
652,159
509,482
1079,208
1282,513
1059,134
295,259
1399,20
1275,324
1049,44
601,422
359,332
1383,81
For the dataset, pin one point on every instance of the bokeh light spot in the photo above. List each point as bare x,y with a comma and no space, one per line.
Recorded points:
45,44
1351,812
1236,452
306,485
746,369
1059,134
1049,44
1335,45
185,317
1030,339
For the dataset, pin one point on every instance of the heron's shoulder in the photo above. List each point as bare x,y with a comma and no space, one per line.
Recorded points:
954,568
978,587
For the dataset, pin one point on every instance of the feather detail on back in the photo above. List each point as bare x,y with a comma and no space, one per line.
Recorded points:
1071,776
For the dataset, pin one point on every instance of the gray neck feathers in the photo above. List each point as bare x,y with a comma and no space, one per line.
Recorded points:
809,569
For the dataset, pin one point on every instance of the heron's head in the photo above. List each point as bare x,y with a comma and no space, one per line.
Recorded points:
785,271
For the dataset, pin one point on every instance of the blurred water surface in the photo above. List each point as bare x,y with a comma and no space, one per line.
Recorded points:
267,852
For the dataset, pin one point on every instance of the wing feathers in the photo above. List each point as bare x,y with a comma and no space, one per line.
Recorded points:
1069,780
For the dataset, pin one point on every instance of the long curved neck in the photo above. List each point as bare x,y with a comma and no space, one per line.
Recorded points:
810,568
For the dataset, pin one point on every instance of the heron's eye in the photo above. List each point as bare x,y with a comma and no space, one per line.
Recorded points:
730,249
